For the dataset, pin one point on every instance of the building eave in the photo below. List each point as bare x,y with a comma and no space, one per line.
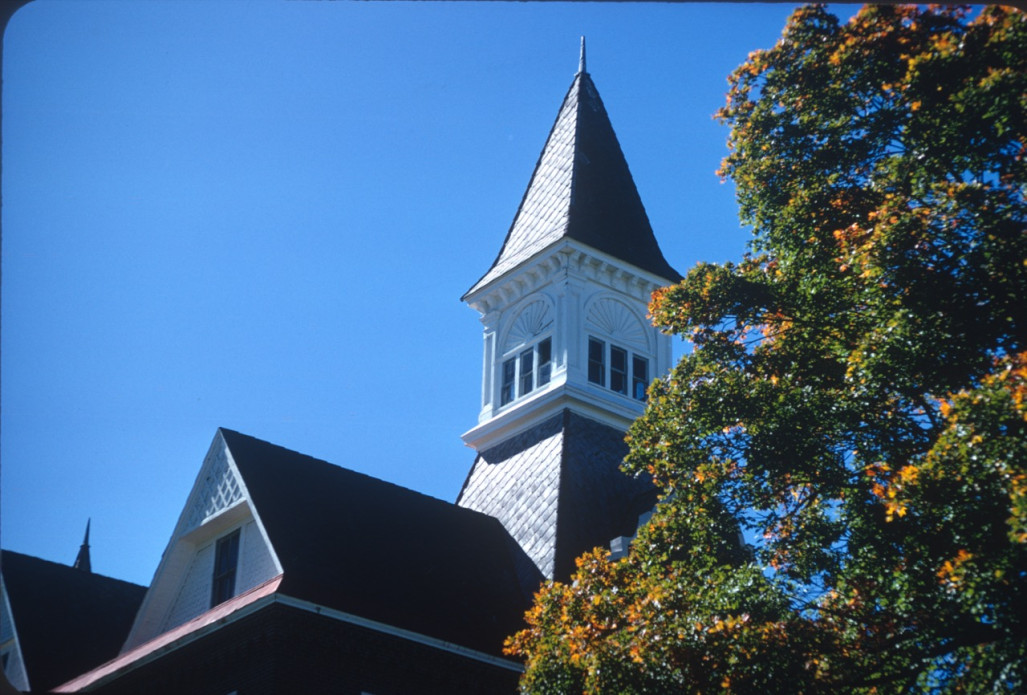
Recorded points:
571,258
596,404
234,609
244,605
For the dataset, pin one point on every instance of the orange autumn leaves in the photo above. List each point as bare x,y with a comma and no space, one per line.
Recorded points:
842,456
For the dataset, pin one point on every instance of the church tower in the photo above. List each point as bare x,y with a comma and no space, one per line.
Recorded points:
568,352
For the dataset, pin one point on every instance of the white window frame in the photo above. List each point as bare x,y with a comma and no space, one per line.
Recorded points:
516,360
234,572
606,376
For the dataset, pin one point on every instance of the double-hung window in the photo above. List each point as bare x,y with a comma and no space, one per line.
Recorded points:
529,369
639,377
617,368
226,561
597,361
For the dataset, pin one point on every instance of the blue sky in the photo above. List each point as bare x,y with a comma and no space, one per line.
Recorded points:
262,216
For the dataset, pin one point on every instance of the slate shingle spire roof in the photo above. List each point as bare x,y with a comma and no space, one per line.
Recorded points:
581,189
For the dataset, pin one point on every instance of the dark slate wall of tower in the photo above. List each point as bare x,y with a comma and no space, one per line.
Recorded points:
558,489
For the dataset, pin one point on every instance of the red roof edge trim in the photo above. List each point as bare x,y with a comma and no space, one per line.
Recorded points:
231,610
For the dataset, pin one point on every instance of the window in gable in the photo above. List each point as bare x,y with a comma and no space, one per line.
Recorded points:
528,370
226,561
608,365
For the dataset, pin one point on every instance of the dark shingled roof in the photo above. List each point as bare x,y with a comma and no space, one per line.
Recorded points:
68,620
357,544
582,189
598,501
590,501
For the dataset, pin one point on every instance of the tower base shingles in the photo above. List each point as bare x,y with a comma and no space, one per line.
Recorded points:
558,489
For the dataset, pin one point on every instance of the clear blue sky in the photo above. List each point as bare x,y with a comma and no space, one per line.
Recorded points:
262,216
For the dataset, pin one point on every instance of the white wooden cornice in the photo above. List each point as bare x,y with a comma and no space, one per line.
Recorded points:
565,260
594,403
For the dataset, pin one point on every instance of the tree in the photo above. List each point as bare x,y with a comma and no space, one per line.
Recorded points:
855,404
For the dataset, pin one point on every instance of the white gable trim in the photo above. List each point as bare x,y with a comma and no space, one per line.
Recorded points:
218,502
15,671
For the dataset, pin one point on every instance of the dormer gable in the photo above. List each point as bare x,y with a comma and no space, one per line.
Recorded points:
219,549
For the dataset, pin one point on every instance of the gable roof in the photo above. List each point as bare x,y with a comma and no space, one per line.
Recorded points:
154,648
581,189
357,544
68,620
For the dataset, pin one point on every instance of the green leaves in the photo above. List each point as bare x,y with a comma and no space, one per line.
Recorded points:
855,406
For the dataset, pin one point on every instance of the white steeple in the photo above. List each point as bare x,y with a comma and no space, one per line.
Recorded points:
564,303
568,351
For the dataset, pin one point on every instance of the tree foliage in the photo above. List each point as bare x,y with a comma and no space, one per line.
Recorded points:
855,405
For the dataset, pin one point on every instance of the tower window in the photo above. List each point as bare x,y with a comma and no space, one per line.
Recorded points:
639,377
226,561
610,365
618,370
527,371
545,361
508,391
597,361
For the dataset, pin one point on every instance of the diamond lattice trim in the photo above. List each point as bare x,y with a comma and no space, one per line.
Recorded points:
220,490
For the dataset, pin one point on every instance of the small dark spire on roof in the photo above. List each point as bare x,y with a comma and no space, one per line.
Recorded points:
82,561
581,60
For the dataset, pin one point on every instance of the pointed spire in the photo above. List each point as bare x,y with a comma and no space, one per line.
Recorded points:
581,60
82,561
581,189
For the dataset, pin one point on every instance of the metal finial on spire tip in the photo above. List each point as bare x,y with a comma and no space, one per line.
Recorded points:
581,60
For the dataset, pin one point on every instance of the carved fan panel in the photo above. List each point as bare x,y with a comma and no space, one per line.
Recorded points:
533,320
617,321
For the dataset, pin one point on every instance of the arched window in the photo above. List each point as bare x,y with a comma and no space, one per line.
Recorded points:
526,362
618,349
